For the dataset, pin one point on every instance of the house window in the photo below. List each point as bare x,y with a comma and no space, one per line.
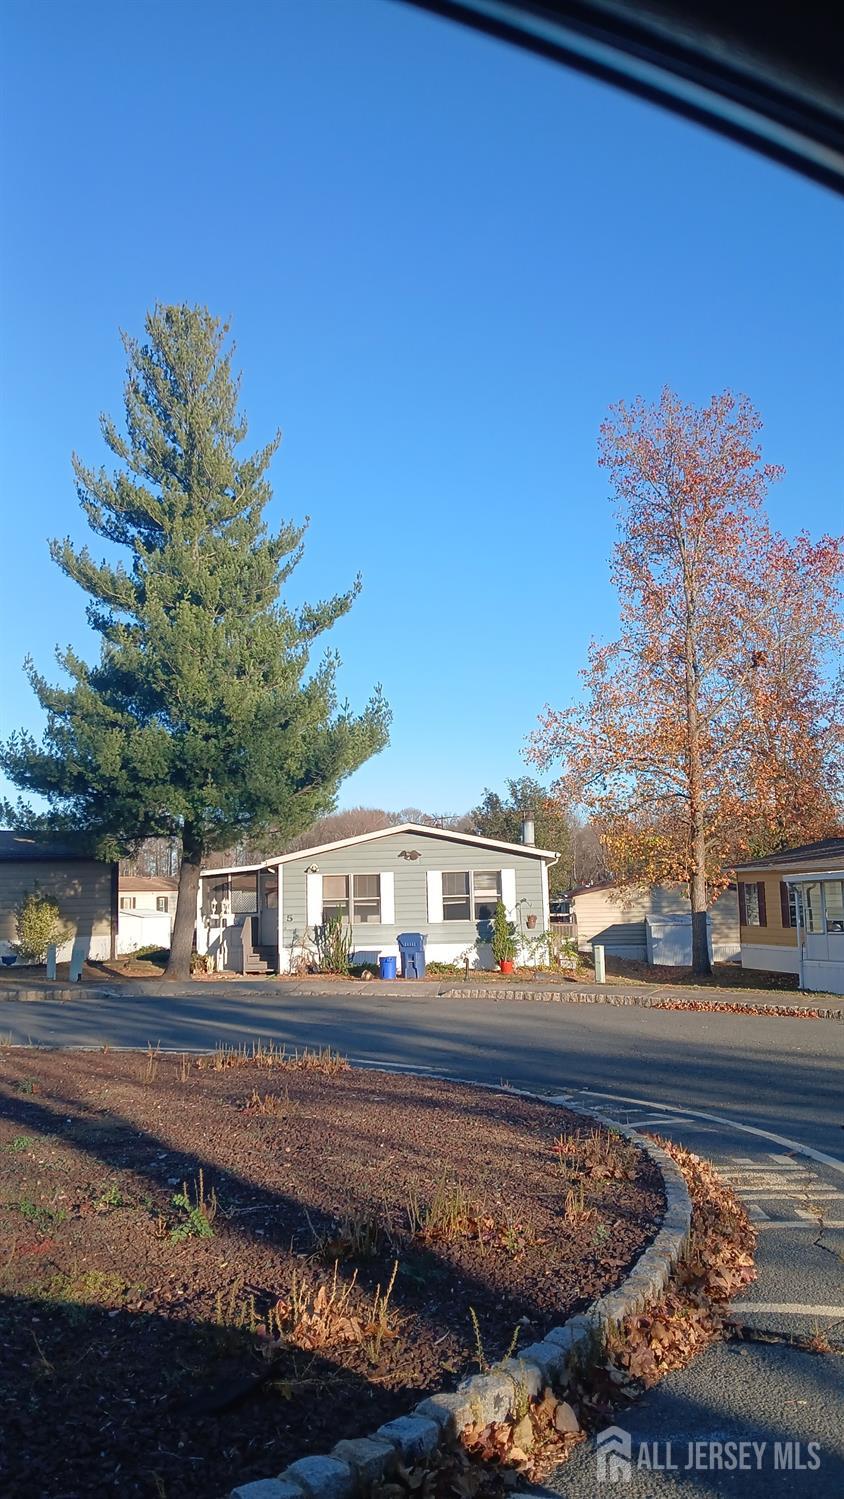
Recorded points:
367,894
162,903
833,896
128,902
814,907
486,891
470,896
335,897
752,912
795,906
364,891
243,891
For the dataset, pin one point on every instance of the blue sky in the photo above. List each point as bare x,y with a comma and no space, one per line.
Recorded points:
443,260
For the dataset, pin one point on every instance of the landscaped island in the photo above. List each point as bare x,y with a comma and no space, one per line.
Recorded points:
213,1266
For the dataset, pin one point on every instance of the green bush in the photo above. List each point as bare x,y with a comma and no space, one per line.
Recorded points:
39,925
503,935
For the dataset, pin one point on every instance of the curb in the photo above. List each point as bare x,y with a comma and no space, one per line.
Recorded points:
496,1396
624,999
650,1002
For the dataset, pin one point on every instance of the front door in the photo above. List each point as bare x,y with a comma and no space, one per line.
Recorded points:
268,908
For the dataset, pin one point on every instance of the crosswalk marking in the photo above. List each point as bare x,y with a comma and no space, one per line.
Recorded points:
755,1213
805,1221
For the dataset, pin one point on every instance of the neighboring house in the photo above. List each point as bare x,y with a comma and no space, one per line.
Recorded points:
84,889
399,879
791,906
147,911
652,923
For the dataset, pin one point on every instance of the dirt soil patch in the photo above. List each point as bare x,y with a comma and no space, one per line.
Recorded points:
723,976
213,1266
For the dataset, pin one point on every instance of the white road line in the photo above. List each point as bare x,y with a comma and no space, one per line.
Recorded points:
745,1129
637,1123
807,1222
755,1213
788,1308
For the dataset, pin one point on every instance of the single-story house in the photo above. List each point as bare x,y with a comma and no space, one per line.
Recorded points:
84,889
147,911
791,906
407,878
651,923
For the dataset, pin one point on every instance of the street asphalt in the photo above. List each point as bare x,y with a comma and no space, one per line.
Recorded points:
760,1096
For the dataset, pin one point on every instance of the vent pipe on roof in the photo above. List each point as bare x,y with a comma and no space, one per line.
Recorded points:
528,834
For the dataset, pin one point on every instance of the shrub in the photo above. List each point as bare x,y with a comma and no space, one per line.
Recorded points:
503,935
39,925
334,946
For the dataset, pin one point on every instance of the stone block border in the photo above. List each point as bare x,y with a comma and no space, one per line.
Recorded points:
495,1396
621,1000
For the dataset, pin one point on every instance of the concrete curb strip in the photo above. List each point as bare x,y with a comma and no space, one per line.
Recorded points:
649,1001
495,1396
619,999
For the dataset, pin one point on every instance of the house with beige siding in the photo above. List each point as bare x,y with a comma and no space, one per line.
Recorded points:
651,923
409,878
791,909
147,911
84,889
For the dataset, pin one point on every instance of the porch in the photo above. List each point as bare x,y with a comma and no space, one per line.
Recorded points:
237,919
819,904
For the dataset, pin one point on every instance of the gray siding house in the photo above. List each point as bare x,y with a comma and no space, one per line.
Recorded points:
408,878
85,890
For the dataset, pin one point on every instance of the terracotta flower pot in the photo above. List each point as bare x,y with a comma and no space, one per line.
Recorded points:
531,923
506,965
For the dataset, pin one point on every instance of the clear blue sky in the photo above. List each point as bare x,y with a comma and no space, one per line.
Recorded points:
443,260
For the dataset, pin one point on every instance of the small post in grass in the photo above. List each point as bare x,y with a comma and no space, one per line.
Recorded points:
77,960
600,970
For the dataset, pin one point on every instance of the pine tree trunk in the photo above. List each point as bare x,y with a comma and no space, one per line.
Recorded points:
181,943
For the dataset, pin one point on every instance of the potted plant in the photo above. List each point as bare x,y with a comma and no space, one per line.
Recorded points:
503,939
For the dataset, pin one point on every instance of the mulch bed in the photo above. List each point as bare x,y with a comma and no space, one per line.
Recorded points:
151,1349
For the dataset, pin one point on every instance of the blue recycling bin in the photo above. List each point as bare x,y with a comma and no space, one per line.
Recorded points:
412,951
386,968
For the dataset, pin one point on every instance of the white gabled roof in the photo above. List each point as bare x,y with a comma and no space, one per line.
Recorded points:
407,829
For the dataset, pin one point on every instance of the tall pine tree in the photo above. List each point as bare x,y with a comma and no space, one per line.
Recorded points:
202,718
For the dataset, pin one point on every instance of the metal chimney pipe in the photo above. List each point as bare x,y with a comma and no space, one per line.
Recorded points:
528,834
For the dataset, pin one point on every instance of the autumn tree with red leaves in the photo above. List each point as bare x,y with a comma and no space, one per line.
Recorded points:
711,727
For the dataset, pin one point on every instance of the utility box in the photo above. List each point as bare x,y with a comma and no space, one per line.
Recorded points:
412,953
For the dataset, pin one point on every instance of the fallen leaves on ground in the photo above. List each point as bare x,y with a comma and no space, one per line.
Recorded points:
492,1460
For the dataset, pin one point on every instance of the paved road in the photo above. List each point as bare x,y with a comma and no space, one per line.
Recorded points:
761,1097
